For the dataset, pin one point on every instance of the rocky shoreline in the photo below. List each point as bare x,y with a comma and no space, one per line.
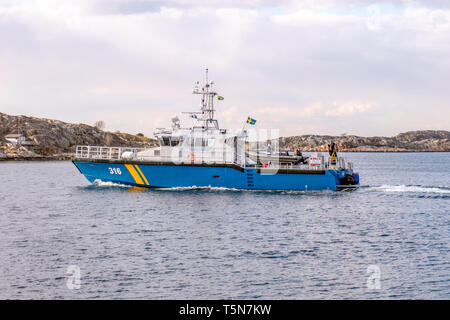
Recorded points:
35,157
38,158
46,139
411,141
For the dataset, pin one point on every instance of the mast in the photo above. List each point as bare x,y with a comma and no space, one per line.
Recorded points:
207,103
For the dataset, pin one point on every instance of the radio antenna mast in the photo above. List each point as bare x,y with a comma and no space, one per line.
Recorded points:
207,103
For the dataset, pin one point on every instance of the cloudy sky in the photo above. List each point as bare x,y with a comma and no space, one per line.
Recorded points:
326,67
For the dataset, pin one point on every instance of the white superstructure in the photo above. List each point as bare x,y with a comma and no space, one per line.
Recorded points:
204,142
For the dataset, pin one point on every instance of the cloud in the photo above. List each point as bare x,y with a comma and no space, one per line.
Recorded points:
292,65
347,109
142,6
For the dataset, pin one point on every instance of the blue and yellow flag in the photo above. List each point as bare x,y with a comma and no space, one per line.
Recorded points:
251,121
220,98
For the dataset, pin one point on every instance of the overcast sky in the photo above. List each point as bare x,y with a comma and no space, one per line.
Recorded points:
323,67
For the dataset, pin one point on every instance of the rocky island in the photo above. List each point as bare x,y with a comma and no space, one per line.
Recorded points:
411,141
31,138
46,139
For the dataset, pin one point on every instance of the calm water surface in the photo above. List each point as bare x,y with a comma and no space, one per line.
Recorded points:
225,244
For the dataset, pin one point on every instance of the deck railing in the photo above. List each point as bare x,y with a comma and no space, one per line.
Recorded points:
126,153
106,153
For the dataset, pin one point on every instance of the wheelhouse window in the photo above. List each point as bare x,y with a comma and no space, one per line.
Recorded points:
164,141
210,142
175,141
203,142
199,142
168,141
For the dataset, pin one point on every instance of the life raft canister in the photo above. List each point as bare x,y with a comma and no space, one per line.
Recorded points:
314,161
191,157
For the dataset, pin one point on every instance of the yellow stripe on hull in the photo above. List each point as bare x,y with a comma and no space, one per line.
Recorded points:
134,174
142,175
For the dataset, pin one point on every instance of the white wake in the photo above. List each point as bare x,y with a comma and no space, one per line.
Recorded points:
405,188
100,183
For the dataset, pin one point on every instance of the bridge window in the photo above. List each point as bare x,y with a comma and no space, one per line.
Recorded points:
164,141
175,141
199,142
210,142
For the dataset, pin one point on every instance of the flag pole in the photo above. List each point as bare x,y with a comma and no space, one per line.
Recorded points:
245,123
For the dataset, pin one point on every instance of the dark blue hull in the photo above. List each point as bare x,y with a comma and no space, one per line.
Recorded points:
169,175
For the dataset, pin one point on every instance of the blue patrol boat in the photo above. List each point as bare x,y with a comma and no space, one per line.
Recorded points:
204,155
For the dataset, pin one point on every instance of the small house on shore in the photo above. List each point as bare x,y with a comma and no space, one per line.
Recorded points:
15,138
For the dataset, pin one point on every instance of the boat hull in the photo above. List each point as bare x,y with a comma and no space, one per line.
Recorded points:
170,175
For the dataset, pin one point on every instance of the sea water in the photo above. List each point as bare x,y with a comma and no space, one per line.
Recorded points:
63,238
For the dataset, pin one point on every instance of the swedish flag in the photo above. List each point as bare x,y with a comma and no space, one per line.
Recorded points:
220,98
251,121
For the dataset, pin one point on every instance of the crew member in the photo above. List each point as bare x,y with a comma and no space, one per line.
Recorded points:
332,150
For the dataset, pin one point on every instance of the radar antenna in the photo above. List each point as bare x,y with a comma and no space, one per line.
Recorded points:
207,103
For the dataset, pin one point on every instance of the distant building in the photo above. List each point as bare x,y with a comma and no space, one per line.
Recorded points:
15,138
19,139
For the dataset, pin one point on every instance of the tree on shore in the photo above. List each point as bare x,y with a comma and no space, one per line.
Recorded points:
100,125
